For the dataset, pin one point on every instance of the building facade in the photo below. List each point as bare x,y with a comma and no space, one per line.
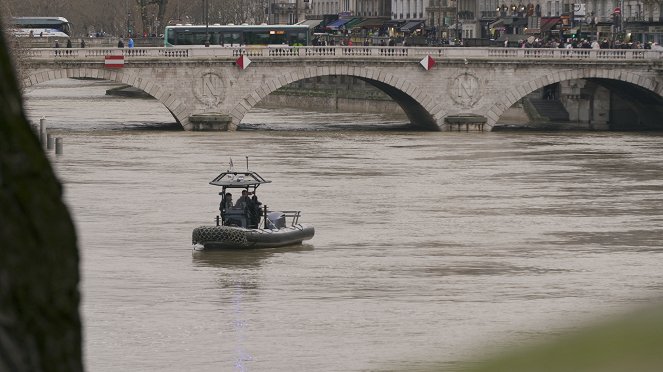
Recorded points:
287,12
408,9
631,20
373,8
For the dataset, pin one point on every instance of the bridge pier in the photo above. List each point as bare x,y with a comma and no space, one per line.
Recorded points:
464,123
210,121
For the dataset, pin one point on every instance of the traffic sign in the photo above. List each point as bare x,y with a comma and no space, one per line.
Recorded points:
243,62
428,62
113,61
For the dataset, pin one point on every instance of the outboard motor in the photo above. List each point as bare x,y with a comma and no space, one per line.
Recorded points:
276,219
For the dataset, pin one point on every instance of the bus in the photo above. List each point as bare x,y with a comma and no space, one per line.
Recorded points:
41,27
236,35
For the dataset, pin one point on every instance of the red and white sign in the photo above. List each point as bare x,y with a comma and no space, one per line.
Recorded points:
428,62
243,62
617,11
114,61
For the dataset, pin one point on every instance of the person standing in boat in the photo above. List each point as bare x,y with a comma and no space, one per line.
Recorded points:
227,202
243,200
254,211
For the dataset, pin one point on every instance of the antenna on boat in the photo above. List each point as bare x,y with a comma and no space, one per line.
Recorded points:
247,163
230,165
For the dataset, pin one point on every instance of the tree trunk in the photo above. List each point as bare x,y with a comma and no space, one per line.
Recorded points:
40,327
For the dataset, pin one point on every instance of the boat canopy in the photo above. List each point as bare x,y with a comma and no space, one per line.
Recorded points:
240,180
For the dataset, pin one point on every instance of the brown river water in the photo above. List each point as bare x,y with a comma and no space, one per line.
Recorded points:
431,249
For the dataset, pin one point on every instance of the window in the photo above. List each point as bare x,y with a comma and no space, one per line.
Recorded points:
231,38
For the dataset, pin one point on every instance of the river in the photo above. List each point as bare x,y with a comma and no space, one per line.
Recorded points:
431,249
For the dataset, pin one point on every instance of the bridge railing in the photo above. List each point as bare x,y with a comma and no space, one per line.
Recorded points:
346,52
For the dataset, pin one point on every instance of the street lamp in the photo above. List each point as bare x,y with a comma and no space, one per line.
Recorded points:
129,30
206,16
456,33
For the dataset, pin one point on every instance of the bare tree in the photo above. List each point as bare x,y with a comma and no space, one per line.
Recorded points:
237,11
144,16
152,14
83,15
17,52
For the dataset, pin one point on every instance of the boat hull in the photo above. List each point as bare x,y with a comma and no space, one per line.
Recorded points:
230,237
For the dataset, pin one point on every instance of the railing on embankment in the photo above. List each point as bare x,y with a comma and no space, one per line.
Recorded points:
349,52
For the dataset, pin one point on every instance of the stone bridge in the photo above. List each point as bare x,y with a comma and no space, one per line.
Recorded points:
212,89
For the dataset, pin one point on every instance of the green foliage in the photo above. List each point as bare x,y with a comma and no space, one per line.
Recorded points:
632,343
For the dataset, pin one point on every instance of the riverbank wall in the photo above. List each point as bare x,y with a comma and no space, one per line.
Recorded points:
331,103
332,93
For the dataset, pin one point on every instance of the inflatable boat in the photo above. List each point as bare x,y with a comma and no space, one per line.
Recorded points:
247,223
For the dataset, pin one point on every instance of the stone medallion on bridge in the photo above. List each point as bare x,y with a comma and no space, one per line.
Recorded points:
208,89
465,90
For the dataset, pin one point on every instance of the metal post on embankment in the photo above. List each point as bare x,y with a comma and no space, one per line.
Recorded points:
58,145
42,130
49,141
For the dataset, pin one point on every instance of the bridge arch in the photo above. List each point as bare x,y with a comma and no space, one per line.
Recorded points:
172,103
419,107
516,93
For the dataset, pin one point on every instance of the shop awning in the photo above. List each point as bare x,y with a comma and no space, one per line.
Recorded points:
499,22
311,22
338,23
548,24
371,23
394,23
411,25
352,23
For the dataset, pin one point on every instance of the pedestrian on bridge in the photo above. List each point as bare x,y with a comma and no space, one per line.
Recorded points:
130,44
120,44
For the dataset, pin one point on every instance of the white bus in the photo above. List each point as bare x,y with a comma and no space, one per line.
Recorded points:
41,27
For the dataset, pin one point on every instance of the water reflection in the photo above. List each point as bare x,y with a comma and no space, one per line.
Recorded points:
428,244
243,258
